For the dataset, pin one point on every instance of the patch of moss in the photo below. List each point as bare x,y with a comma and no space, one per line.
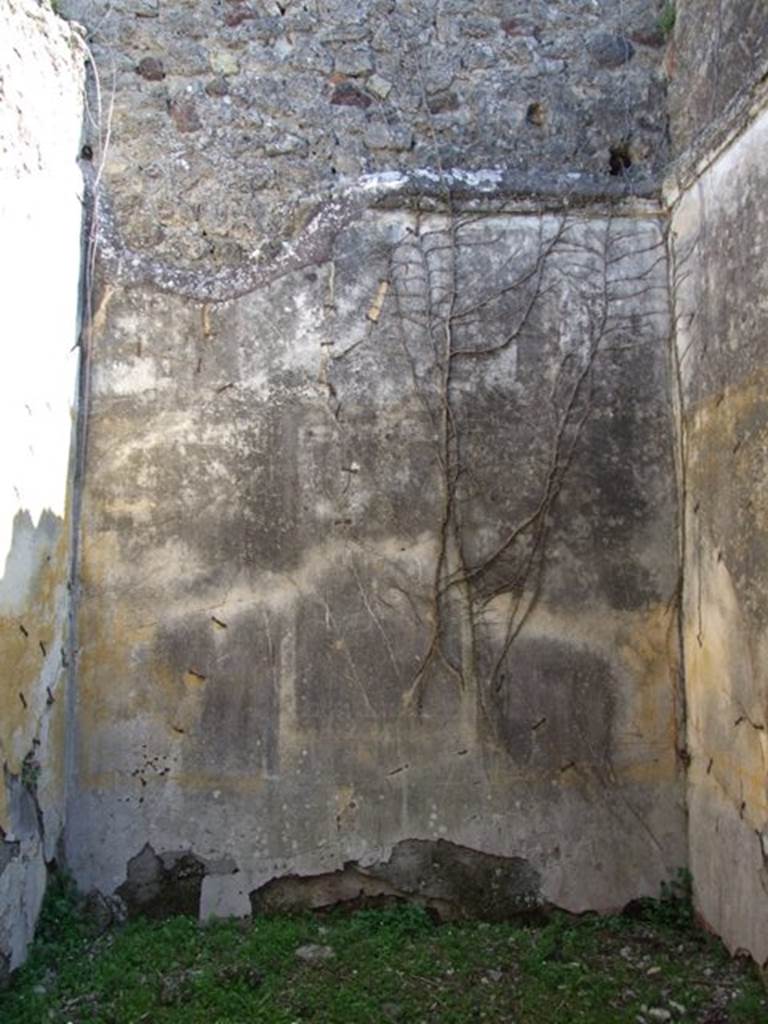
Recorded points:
667,18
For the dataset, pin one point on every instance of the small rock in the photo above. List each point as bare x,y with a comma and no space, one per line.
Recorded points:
103,911
351,32
184,115
314,954
610,51
285,145
520,27
443,103
495,975
659,1013
145,8
170,991
248,976
354,61
97,910
478,56
477,27
379,86
223,62
346,94
151,68
381,136
439,75
217,87
653,970
237,17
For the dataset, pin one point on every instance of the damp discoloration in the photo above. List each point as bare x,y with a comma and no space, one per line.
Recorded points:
33,721
721,228
262,516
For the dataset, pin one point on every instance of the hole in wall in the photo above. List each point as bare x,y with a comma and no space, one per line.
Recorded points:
535,114
620,159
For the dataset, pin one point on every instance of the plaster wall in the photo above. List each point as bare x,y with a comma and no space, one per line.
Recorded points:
362,568
721,239
716,189
379,557
379,511
41,85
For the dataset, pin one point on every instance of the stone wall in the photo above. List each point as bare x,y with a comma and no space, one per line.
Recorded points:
231,118
720,233
40,210
719,53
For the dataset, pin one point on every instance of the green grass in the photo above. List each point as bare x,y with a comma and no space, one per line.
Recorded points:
390,965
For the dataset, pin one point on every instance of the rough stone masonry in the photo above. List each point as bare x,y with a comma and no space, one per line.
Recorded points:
383,583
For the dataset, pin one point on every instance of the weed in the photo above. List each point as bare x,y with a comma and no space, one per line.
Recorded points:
667,18
30,773
676,904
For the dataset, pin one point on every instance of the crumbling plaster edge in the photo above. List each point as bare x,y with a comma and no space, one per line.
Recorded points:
492,192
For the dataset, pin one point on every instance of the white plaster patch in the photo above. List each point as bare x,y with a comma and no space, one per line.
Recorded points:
40,211
128,378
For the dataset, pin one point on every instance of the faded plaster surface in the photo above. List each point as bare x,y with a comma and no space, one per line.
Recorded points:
721,231
379,510
41,87
383,513
379,557
384,550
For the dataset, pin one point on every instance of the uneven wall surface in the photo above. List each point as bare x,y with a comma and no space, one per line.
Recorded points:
382,544
232,117
382,548
720,229
718,53
40,188
380,551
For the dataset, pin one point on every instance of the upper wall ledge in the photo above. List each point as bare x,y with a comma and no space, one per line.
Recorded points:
491,191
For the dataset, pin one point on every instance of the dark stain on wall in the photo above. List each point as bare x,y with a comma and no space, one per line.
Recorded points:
452,880
161,885
553,705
